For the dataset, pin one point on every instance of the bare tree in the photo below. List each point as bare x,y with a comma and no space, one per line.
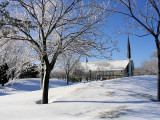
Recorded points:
154,55
70,59
55,26
148,67
144,16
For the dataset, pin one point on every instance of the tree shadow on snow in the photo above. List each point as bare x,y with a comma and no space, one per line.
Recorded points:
134,102
27,85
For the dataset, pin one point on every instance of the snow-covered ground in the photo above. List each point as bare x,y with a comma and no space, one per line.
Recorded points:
121,99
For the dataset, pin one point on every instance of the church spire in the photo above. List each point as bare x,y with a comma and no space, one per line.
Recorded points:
128,49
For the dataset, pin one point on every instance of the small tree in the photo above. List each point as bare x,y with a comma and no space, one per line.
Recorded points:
68,63
148,67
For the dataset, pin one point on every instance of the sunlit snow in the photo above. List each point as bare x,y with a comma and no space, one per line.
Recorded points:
129,98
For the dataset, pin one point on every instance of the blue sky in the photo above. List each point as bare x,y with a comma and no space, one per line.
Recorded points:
141,47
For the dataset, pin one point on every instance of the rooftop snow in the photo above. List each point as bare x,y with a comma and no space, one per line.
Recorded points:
106,65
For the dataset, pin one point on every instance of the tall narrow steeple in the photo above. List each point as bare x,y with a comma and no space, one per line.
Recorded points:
128,50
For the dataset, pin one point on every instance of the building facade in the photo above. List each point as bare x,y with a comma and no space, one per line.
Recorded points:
110,69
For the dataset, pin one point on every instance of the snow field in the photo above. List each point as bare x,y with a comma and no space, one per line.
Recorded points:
121,99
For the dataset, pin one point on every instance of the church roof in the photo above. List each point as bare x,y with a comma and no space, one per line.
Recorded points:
111,65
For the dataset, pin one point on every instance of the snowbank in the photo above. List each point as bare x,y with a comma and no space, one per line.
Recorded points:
121,99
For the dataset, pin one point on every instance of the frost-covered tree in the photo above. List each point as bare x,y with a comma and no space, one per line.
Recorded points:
12,53
148,67
16,54
53,27
141,16
3,5
69,62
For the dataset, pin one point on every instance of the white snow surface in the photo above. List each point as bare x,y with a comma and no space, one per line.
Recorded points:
118,99
106,65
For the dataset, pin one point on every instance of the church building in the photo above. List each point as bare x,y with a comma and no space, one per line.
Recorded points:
110,69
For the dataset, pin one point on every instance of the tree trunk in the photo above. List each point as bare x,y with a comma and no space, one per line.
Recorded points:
42,75
90,75
158,53
45,86
158,56
67,78
12,74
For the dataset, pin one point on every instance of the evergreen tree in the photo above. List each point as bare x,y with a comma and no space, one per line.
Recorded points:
29,72
3,74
